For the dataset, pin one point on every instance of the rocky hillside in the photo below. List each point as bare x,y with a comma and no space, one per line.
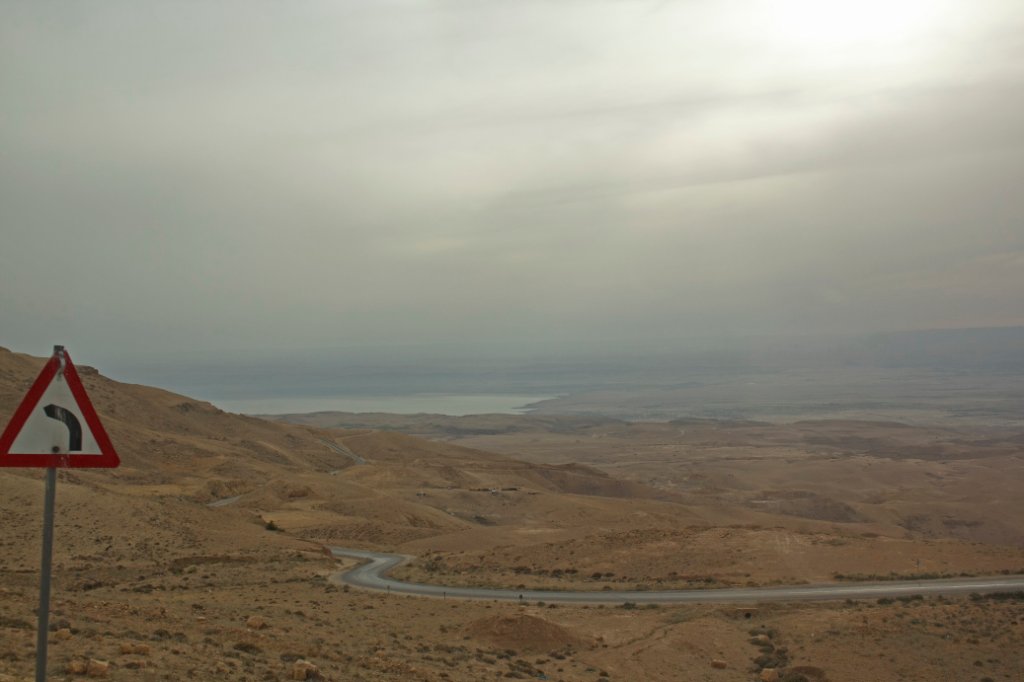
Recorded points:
364,486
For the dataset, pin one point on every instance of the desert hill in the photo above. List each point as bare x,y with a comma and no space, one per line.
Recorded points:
802,500
163,436
202,555
365,488
560,483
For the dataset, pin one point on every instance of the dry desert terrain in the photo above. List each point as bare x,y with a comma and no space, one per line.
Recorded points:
202,556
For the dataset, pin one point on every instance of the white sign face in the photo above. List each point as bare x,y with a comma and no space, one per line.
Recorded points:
56,426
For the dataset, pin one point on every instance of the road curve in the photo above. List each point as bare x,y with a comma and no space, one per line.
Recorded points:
372,574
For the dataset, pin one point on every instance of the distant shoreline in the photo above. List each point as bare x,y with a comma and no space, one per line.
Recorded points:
455,405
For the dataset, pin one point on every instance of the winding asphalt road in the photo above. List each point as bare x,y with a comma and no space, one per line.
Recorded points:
372,574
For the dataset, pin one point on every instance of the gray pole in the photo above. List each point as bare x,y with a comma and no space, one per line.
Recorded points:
44,584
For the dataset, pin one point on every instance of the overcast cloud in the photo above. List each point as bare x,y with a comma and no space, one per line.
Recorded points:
282,175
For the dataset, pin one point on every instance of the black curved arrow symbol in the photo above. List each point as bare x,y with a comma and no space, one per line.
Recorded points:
71,421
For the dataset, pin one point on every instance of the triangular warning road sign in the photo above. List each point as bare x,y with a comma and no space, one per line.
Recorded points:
56,425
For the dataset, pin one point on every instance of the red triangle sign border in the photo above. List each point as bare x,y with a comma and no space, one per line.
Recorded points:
108,456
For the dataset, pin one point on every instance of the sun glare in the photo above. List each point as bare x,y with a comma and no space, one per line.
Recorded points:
851,23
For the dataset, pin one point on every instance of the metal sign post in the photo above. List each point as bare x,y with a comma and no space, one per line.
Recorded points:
54,426
42,637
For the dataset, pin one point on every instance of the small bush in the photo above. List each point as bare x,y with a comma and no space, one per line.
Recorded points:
792,676
247,647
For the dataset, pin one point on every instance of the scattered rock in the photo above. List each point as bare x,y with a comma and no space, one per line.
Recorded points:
760,640
62,634
97,668
256,623
135,648
76,666
769,675
719,664
304,670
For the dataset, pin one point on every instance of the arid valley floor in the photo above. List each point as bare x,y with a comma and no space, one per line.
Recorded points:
203,556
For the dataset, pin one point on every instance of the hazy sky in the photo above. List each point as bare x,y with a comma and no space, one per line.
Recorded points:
271,175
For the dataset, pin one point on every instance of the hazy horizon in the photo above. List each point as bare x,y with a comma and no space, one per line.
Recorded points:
922,376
